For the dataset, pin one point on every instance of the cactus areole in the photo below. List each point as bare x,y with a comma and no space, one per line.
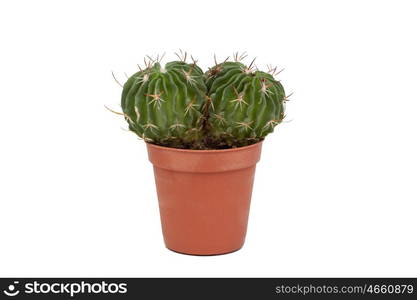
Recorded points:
179,106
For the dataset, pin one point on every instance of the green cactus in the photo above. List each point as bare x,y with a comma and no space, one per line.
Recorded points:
231,105
163,105
246,104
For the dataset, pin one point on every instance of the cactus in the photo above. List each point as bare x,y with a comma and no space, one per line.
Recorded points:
246,104
163,105
231,105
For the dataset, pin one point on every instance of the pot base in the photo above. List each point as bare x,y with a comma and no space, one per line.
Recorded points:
209,254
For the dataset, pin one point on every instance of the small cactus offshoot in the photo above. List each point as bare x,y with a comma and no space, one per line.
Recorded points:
180,106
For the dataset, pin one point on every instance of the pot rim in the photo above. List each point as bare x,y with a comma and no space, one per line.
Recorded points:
204,151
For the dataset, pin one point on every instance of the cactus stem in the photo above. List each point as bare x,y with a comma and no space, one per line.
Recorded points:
115,79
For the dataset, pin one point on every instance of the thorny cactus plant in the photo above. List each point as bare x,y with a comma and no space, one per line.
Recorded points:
163,105
231,105
246,104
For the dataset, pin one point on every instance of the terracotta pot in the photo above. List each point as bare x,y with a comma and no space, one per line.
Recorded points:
204,197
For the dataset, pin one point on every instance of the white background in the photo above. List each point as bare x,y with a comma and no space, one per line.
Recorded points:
335,191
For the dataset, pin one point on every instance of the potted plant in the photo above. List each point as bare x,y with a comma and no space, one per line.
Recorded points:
203,133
